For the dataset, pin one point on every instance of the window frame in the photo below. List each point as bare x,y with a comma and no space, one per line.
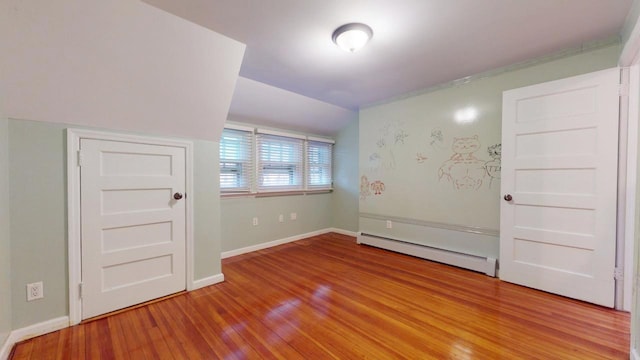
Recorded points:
245,163
283,152
303,172
326,165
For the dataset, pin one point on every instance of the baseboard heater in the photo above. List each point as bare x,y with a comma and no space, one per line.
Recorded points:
465,261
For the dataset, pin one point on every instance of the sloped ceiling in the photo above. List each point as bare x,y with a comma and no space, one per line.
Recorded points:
416,43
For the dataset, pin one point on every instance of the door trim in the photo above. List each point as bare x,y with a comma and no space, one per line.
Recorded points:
73,206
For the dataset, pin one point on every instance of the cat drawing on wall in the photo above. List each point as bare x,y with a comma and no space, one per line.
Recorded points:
463,170
493,166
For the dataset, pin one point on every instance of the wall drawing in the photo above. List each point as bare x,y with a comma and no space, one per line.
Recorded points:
421,158
377,187
400,136
391,135
391,127
385,159
437,139
463,170
374,161
494,166
364,188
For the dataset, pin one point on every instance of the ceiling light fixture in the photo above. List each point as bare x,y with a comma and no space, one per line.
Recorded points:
352,37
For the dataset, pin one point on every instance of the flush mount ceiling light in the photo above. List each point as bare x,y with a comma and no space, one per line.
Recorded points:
352,37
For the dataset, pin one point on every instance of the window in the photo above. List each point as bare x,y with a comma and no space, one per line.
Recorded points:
236,165
280,162
273,161
319,164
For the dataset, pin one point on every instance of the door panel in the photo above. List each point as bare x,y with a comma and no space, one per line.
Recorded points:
133,230
559,163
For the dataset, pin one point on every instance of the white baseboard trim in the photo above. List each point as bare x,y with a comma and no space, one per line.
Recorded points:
343,232
32,331
635,355
211,280
248,249
6,348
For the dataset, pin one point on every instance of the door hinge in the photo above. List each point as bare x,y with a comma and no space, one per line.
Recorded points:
618,274
623,89
80,290
80,158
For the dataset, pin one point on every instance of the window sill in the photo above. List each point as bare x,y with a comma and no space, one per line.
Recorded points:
275,193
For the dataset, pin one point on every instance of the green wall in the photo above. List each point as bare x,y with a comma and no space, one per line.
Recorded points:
401,146
5,248
313,213
37,166
345,179
206,203
38,222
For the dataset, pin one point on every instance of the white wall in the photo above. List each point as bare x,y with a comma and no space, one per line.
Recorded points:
120,64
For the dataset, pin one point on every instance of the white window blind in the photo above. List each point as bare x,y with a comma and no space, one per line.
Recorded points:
236,160
280,162
319,156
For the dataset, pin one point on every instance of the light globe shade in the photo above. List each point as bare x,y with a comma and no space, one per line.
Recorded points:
352,37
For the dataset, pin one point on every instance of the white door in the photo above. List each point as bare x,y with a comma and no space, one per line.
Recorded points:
132,227
559,165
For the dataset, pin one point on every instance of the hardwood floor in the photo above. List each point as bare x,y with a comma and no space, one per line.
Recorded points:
328,298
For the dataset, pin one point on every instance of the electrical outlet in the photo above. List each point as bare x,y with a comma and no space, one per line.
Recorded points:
293,216
35,291
255,221
389,224
281,218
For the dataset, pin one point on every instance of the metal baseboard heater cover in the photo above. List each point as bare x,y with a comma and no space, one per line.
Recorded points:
465,261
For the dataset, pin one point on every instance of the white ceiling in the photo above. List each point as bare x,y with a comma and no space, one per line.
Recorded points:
258,103
416,43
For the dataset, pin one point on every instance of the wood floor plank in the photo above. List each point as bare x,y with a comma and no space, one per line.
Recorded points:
328,298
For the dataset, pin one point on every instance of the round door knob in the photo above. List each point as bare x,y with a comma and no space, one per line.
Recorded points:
177,196
508,197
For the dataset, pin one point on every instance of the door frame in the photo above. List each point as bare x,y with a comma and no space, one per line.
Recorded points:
630,57
73,206
630,110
